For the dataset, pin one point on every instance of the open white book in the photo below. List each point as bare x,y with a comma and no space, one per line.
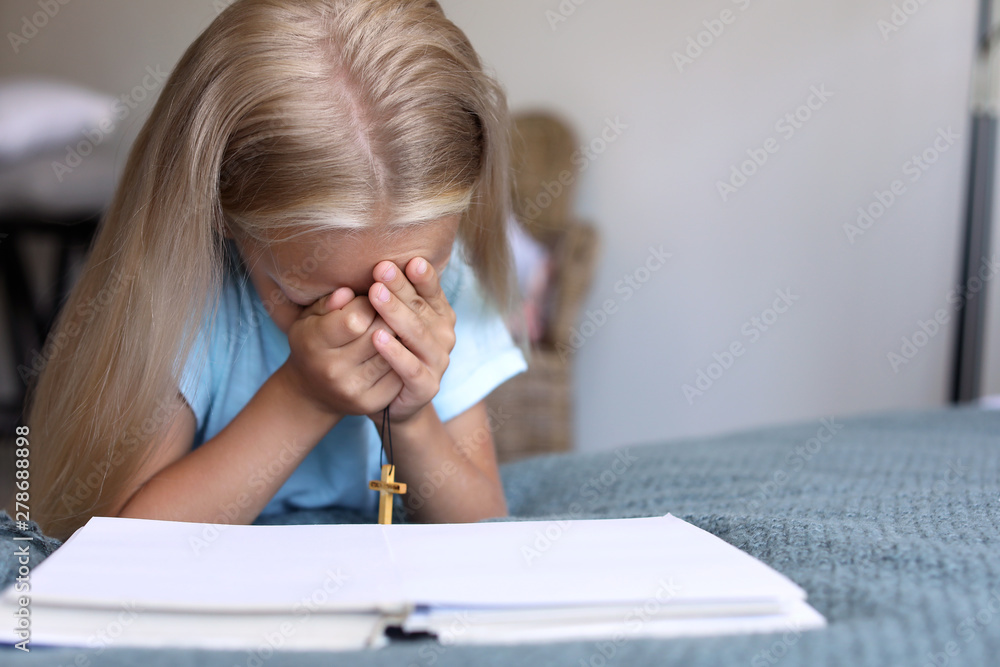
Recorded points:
135,582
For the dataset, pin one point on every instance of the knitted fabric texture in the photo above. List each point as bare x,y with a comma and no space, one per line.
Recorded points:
890,522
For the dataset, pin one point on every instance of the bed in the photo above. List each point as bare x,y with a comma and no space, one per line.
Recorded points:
890,522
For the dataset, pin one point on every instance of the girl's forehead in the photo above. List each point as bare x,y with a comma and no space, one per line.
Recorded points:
321,262
373,245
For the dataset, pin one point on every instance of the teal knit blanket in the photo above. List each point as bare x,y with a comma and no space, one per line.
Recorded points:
890,522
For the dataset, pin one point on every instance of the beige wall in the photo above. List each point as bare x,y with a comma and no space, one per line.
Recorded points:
656,184
103,44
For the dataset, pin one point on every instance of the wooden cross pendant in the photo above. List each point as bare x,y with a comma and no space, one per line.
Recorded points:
386,487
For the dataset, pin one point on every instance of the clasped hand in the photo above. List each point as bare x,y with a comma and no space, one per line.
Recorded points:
357,354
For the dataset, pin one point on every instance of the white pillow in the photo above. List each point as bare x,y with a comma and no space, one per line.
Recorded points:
38,114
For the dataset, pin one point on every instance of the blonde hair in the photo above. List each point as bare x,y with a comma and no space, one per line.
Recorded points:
283,117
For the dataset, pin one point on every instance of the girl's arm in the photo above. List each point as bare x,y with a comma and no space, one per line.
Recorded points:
231,477
450,469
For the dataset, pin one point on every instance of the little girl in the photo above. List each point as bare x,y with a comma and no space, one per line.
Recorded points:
287,254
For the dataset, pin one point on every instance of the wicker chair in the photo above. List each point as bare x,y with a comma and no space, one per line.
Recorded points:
537,406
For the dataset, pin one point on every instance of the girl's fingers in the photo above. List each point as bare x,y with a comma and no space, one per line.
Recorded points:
340,298
333,301
427,283
404,320
343,326
361,350
387,388
373,370
415,375
388,274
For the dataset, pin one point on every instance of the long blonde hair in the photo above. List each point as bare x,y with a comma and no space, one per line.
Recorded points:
283,116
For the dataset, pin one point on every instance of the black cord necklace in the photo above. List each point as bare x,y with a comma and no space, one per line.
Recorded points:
385,431
387,486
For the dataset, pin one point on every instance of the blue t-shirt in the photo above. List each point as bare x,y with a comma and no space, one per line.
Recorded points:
246,347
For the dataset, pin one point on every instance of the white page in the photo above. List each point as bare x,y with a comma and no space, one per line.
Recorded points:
470,627
580,562
259,632
171,565
161,565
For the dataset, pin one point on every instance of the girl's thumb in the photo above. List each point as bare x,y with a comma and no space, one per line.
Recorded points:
335,301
